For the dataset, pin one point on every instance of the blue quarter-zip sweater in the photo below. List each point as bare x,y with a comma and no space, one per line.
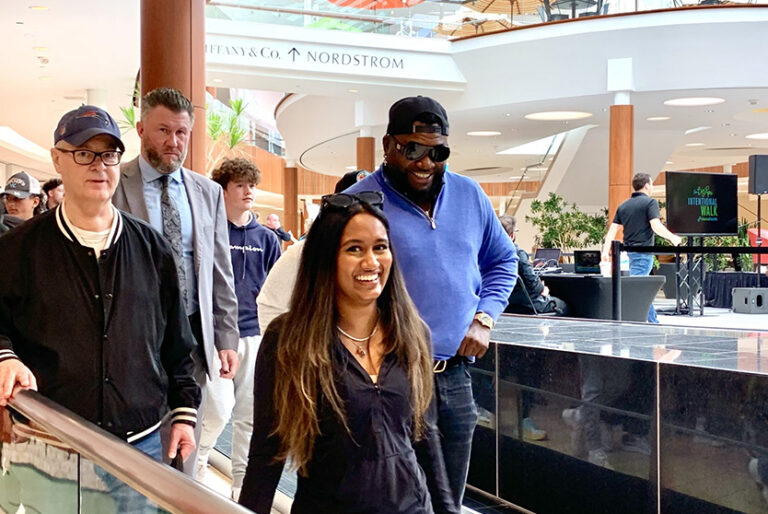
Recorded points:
456,263
254,250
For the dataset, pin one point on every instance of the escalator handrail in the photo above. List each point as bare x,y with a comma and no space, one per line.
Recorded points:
162,484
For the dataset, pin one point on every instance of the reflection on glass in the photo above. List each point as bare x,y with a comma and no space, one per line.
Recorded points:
41,474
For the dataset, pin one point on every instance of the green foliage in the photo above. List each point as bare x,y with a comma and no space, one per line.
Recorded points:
735,261
129,120
563,225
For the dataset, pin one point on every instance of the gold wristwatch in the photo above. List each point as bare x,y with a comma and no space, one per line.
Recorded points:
485,320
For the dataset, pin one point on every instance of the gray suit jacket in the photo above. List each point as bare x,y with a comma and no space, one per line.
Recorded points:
215,282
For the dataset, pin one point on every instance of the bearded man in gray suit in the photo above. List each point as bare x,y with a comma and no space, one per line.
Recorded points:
188,209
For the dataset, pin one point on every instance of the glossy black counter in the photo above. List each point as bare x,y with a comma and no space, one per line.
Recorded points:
637,417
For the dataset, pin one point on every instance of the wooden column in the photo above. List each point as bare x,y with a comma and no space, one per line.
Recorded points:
291,199
173,55
366,153
620,156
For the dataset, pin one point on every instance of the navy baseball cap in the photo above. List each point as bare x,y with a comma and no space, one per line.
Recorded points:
78,126
405,111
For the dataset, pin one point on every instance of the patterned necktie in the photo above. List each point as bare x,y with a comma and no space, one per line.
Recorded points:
172,233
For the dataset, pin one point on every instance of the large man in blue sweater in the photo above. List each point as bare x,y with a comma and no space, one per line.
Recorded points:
254,249
459,264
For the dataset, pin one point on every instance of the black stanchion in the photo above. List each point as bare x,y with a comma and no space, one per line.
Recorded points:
616,279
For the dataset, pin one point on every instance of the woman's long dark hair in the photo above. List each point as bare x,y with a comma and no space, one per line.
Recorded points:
304,370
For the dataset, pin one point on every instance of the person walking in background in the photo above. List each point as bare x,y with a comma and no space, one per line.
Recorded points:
641,218
54,193
254,250
459,265
344,382
22,197
188,209
273,223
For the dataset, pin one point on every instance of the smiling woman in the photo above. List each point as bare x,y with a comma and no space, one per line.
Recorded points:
343,381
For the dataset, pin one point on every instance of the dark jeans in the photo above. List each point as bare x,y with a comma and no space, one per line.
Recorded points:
456,420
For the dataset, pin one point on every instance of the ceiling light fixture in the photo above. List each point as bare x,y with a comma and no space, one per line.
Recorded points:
697,129
40,48
695,144
38,7
762,135
669,162
557,115
694,101
484,133
218,81
353,90
657,118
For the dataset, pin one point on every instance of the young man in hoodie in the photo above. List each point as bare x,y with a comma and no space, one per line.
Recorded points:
254,250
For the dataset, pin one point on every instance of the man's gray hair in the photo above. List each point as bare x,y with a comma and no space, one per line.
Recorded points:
172,99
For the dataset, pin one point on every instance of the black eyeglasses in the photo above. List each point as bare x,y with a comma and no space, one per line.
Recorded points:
85,157
344,200
415,151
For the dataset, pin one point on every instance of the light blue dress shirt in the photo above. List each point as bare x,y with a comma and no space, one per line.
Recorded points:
153,192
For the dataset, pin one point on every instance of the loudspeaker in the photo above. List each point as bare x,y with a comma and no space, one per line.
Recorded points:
750,300
758,175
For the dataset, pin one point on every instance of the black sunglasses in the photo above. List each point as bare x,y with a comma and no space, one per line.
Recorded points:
415,151
345,200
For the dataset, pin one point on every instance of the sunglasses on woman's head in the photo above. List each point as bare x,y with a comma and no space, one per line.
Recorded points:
416,151
345,200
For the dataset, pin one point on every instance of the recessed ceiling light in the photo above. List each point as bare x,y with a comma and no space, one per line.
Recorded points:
697,129
558,115
351,168
484,133
694,144
353,90
38,7
762,135
669,162
657,118
218,81
45,77
19,23
694,101
40,48
733,134
508,114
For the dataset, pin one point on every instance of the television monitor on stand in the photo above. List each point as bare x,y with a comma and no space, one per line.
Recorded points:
702,204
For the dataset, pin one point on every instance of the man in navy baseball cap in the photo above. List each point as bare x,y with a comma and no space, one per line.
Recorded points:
78,126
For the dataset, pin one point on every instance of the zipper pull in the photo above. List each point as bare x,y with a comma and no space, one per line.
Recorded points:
432,222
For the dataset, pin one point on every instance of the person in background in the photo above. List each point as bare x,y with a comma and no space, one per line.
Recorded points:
344,382
275,297
188,209
54,193
459,265
273,222
254,250
111,341
22,197
530,295
641,218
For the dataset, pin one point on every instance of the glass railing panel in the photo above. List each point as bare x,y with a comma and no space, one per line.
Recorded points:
714,445
40,476
434,19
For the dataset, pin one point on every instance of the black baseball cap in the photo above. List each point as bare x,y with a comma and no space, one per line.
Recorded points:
87,121
405,111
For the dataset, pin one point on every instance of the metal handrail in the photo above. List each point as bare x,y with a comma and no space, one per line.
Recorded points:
162,484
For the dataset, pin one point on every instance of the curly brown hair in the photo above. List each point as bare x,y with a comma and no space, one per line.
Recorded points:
236,170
